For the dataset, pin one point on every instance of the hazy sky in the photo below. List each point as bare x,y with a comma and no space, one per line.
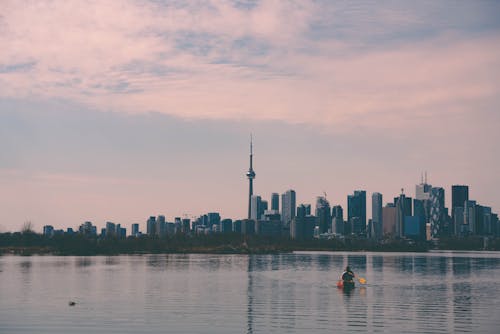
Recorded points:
117,110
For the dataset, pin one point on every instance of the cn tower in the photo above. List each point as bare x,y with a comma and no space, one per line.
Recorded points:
251,176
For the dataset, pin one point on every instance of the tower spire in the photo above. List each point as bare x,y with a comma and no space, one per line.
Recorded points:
251,150
250,175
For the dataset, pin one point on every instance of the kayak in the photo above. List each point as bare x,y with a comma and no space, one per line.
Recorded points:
345,285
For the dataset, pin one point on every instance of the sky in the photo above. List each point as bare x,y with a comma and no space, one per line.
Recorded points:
118,110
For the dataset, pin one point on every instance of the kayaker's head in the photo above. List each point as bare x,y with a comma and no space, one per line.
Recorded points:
347,268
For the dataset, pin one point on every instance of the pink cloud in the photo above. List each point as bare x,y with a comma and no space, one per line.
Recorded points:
81,50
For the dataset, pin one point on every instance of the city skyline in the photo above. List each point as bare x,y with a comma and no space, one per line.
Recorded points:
423,191
114,112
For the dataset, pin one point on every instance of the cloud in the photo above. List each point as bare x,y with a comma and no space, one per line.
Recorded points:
356,94
298,62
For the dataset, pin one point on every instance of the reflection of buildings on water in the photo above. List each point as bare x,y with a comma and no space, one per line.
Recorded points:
357,261
25,266
270,296
158,261
250,296
183,262
462,294
84,261
112,260
26,275
427,291
375,270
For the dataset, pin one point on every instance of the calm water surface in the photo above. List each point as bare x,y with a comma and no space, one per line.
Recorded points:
288,293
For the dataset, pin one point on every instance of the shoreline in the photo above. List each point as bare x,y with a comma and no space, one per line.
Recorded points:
34,244
34,251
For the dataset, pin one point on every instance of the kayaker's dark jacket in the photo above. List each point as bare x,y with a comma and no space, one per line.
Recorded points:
348,276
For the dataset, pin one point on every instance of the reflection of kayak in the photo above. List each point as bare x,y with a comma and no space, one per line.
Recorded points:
345,285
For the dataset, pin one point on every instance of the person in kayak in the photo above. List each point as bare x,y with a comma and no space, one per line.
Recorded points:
348,278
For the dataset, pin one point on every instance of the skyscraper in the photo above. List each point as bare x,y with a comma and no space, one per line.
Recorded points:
419,208
407,205
256,207
48,230
213,219
389,218
226,226
494,224
161,228
307,208
338,212
263,208
288,206
186,225
301,211
469,217
323,214
377,214
437,214
275,201
400,204
338,220
110,229
151,226
135,230
87,229
459,194
250,175
302,227
487,221
356,207
479,219
460,229
422,190
422,193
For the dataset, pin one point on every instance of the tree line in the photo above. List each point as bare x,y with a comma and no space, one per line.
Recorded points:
28,242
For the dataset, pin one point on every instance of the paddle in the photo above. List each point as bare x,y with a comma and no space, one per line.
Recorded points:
362,280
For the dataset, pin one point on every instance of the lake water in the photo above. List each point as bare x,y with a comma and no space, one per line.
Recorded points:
288,293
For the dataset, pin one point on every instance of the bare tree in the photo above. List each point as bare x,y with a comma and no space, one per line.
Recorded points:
27,227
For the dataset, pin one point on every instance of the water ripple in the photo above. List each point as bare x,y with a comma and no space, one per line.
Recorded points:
286,293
